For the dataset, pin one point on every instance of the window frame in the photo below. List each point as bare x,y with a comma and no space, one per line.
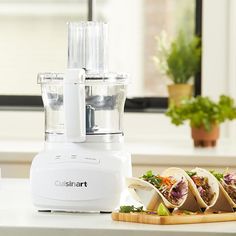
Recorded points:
135,104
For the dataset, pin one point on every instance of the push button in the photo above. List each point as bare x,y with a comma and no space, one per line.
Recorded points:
90,160
73,156
57,157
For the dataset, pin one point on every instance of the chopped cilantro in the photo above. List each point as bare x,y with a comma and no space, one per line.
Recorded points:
218,175
152,179
128,209
190,173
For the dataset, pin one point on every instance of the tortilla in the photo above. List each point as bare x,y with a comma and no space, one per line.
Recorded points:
150,196
212,183
219,201
225,193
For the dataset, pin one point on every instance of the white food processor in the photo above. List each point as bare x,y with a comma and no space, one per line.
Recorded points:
84,163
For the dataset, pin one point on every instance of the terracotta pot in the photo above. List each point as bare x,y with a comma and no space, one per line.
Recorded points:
178,92
203,138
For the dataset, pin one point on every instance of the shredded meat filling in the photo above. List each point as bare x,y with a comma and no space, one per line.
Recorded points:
230,190
169,197
203,188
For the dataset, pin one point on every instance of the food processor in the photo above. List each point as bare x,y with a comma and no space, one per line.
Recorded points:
84,163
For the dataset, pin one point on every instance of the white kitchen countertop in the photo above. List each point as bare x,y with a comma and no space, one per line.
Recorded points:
163,152
19,217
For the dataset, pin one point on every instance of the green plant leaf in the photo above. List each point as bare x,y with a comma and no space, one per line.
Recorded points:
202,111
182,60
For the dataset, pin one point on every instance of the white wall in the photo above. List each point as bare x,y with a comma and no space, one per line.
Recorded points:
125,41
219,52
19,125
219,37
215,54
232,58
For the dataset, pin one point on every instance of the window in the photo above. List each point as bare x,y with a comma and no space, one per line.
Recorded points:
34,39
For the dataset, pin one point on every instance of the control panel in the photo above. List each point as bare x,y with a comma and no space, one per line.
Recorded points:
76,158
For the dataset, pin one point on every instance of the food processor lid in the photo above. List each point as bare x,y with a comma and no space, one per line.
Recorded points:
106,78
87,46
49,77
90,79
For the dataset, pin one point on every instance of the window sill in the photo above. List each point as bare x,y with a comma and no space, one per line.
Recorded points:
170,152
180,152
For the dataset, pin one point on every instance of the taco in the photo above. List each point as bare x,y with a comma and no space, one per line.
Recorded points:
204,186
173,188
227,182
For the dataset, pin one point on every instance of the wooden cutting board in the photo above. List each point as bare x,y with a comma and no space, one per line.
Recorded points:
174,219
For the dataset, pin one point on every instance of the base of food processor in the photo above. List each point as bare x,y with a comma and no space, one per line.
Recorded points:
84,177
48,211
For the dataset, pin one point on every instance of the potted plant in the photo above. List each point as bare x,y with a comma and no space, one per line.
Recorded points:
180,61
204,116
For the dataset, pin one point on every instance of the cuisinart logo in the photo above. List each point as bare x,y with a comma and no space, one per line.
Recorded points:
70,183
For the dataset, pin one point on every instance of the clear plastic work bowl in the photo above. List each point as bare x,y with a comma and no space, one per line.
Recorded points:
105,98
